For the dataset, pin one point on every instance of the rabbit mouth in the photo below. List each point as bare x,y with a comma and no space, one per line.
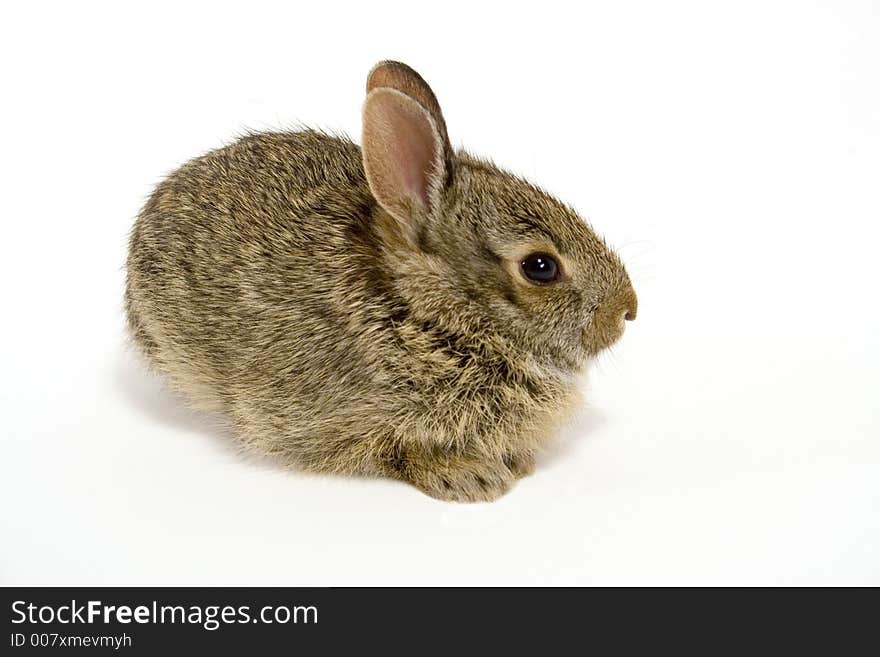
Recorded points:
597,339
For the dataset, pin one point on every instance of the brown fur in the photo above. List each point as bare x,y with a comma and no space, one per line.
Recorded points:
347,335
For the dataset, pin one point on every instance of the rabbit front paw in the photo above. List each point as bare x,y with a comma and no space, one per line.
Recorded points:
461,479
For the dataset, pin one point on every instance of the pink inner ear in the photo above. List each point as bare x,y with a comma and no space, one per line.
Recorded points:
412,145
401,148
415,157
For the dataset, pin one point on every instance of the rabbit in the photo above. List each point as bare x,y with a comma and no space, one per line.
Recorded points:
397,310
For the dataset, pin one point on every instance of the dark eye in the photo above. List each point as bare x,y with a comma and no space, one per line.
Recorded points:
540,268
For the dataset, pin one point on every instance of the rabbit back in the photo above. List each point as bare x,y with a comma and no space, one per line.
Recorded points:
239,264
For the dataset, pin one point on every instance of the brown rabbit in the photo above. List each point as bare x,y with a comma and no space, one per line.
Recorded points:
399,309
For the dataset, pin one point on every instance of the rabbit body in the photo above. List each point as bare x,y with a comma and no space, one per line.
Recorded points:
346,326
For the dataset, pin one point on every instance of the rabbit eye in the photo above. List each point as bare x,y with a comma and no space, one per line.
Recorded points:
540,268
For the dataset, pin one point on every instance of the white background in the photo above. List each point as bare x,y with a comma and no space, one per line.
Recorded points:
730,150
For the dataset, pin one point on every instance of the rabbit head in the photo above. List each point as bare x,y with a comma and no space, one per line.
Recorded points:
479,250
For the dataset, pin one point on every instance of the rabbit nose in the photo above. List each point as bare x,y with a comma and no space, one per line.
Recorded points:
631,305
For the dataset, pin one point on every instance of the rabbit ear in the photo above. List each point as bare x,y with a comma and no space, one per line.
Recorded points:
404,158
396,75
